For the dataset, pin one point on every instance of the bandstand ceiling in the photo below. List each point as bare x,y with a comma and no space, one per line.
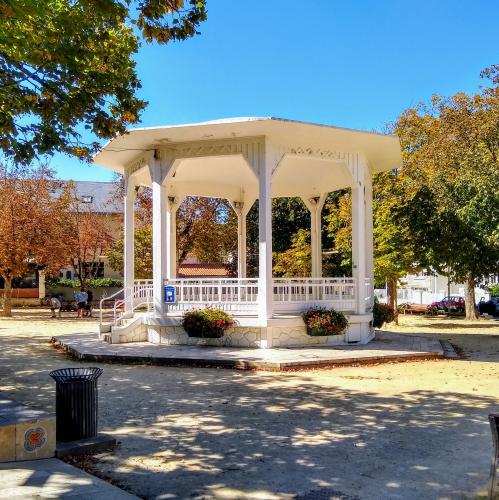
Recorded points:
231,176
218,176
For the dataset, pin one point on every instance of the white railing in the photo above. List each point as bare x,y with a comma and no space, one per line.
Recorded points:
230,294
114,297
142,290
296,294
141,297
240,295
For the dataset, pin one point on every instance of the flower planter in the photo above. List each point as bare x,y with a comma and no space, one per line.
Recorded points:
208,323
378,323
319,332
212,333
324,322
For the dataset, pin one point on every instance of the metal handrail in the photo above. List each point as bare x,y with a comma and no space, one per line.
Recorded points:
119,292
137,293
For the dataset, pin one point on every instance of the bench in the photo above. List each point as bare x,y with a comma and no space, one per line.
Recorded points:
25,433
416,309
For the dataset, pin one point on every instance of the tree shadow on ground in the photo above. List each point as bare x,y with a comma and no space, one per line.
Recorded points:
208,433
460,325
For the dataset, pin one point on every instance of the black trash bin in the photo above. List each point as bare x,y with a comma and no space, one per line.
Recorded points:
76,403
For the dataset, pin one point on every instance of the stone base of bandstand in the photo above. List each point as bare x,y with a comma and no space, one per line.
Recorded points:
280,332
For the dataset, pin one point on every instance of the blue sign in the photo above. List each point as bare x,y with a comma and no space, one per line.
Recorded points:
169,294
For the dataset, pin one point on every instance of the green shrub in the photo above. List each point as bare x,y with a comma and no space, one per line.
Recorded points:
321,322
92,282
382,313
494,290
209,323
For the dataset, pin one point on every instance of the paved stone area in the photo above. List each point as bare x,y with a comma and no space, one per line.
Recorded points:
385,347
52,478
391,431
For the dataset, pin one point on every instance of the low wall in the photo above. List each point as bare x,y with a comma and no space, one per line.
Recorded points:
22,293
250,336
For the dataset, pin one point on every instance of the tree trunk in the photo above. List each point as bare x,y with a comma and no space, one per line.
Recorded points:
7,298
471,310
391,292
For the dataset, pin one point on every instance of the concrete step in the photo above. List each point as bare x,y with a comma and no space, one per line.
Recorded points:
105,327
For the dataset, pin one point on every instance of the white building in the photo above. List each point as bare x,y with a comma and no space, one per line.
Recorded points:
244,160
426,287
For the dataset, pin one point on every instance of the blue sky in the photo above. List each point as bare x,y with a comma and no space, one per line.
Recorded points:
350,63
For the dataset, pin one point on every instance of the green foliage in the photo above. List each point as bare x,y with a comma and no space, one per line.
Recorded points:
289,216
143,253
393,250
338,220
297,260
382,313
451,156
91,282
494,290
290,229
321,322
68,66
206,323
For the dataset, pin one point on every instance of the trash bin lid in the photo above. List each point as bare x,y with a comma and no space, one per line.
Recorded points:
64,375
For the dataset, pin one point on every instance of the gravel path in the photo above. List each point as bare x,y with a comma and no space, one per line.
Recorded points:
394,431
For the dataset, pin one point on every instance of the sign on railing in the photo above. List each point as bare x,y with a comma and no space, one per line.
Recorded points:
169,294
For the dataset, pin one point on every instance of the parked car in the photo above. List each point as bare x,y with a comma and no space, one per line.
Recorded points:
449,304
490,306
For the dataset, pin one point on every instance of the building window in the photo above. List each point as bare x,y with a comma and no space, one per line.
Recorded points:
94,269
87,199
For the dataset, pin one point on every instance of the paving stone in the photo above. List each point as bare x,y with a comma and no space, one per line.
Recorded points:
385,347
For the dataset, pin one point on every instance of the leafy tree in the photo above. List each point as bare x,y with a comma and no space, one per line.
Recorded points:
68,66
451,155
393,257
34,224
89,239
206,228
296,261
393,240
143,253
289,215
338,225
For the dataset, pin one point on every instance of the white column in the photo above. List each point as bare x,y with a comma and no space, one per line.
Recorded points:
241,245
129,243
359,238
315,206
41,284
173,205
368,196
241,212
159,233
265,285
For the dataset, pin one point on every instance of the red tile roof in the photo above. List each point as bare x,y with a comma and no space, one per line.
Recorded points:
202,270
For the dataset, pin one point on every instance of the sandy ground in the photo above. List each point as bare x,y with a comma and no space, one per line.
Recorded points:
413,430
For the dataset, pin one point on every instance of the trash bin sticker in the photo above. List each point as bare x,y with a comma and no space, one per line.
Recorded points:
169,294
34,438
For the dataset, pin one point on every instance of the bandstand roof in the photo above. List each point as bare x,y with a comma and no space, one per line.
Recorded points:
311,175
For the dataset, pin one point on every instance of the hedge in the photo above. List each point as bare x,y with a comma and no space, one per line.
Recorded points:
91,282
